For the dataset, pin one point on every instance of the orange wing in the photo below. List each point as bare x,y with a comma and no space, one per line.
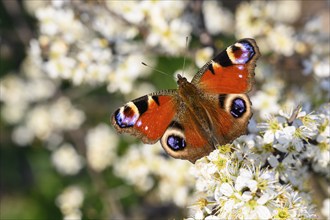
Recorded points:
189,138
185,139
231,71
146,117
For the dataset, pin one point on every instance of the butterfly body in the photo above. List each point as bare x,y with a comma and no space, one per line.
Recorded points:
211,110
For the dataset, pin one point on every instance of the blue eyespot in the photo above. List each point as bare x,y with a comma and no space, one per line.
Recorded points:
125,121
238,107
176,143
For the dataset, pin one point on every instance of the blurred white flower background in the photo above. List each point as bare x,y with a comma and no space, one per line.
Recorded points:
66,65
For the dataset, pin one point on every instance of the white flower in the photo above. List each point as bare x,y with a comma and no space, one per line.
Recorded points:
322,68
61,67
130,10
199,215
126,74
267,104
281,40
45,16
245,179
320,155
64,115
326,208
32,6
66,160
226,189
115,28
70,202
133,167
22,135
284,11
40,89
169,35
58,48
273,161
13,114
217,19
249,19
318,64
271,127
74,215
101,146
65,24
284,138
203,55
263,212
56,117
323,136
182,182
142,163
167,9
211,217
12,89
38,120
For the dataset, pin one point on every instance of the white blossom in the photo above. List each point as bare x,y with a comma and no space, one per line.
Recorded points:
217,19
70,202
101,147
66,160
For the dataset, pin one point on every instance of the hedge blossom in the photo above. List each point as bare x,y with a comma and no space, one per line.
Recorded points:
70,201
240,190
217,19
101,145
203,55
143,162
66,160
260,178
326,208
268,22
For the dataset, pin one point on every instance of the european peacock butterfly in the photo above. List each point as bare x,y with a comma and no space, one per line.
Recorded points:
211,110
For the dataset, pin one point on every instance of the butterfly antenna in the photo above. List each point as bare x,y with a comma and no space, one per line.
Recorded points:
157,70
184,58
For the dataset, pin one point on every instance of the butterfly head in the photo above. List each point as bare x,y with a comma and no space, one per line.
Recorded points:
181,80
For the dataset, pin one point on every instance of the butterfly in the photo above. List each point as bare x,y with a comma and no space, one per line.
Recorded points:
211,110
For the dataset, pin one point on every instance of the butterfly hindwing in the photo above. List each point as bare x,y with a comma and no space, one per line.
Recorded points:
184,139
146,117
229,115
227,118
231,71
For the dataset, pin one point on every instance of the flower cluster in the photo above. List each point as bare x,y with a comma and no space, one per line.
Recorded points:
70,201
101,145
73,161
147,167
270,23
71,51
27,105
263,176
233,189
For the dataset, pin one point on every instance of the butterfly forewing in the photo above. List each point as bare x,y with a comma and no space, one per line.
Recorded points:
146,117
231,71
